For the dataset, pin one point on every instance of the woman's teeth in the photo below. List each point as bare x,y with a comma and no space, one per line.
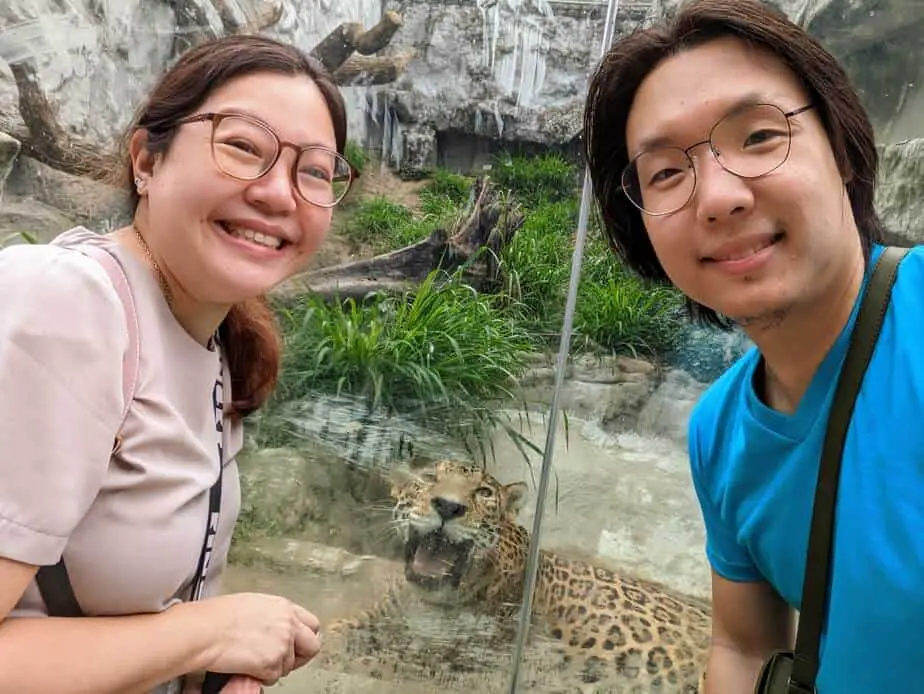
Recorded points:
253,236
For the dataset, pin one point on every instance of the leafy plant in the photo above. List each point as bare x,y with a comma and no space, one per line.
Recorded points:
536,266
376,220
443,352
356,155
535,180
444,191
623,314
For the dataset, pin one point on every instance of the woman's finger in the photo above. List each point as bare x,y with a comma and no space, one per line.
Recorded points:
241,684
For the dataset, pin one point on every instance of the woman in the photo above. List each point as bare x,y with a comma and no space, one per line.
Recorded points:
234,167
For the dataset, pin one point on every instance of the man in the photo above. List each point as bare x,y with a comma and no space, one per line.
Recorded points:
731,156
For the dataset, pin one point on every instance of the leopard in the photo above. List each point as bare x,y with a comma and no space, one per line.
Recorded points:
464,548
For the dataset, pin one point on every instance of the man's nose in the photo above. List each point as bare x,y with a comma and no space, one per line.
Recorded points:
719,193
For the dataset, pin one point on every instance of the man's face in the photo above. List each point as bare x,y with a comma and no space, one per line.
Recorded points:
751,249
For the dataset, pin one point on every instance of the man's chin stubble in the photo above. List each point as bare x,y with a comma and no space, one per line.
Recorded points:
760,322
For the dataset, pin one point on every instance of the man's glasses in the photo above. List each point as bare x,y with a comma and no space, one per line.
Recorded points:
246,149
749,142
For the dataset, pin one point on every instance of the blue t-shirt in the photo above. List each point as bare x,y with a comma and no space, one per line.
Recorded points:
755,472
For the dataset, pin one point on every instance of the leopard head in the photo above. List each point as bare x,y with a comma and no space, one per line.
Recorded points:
455,522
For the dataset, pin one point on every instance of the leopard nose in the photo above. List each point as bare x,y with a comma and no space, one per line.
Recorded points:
447,509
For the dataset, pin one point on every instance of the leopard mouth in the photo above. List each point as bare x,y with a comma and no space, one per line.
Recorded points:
433,561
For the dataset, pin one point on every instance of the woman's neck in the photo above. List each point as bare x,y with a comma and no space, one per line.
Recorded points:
200,320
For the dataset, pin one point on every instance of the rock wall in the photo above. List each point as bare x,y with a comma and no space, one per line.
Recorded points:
487,74
900,196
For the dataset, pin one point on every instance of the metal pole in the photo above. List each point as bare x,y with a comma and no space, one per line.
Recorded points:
532,557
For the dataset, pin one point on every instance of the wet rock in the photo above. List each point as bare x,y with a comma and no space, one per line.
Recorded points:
604,388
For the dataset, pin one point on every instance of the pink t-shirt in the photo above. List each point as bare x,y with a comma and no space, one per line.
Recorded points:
130,524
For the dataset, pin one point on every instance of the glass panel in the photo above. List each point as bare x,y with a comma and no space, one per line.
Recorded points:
464,118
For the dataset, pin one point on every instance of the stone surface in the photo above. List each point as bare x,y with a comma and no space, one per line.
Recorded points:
666,413
80,200
9,150
33,218
486,74
609,390
900,197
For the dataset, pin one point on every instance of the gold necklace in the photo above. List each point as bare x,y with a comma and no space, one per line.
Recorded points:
161,278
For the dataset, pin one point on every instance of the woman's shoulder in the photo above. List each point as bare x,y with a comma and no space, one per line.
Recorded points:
55,267
56,271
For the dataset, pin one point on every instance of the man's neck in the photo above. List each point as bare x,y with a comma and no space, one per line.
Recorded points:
793,347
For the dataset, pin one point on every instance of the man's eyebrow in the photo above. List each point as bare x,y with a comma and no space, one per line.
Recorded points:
750,99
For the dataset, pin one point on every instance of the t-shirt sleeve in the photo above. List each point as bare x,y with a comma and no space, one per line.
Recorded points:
62,337
727,556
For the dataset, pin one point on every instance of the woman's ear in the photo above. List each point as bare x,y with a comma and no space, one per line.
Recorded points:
143,162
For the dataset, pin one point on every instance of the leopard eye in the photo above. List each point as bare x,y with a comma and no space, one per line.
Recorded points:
484,491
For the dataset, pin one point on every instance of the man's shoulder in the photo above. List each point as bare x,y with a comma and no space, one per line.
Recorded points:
906,325
910,274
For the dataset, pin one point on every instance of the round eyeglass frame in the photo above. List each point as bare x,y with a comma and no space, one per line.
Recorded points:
787,115
216,118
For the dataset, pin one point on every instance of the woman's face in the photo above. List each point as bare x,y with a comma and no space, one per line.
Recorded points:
220,239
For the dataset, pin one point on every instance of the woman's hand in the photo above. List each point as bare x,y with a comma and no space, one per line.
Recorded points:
262,636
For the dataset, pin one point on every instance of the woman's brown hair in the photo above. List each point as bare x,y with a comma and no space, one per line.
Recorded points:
630,60
249,333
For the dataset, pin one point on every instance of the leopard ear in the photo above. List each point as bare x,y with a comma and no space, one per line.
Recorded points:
514,496
399,476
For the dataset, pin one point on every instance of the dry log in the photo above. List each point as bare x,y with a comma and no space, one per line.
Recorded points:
368,71
379,36
474,243
334,50
46,140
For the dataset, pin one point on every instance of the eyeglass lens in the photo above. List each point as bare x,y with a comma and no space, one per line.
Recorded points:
245,149
749,142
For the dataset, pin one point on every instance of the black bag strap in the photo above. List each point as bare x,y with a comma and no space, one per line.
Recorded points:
815,586
56,589
55,586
